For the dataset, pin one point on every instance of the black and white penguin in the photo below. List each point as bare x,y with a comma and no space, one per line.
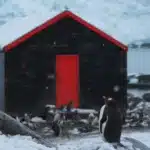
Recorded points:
110,121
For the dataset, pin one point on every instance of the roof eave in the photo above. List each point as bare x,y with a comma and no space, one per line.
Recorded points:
54,20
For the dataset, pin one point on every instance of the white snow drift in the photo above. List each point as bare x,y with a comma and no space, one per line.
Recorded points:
89,143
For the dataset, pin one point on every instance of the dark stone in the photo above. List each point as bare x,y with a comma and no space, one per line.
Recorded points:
144,78
146,97
145,45
12,127
134,101
132,45
130,95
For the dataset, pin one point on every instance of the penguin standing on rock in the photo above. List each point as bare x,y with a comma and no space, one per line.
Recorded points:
110,121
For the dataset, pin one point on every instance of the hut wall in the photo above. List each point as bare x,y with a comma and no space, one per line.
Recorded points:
100,63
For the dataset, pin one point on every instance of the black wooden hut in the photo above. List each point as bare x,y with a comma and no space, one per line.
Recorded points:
65,59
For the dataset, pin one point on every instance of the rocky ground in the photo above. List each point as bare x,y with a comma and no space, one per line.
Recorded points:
138,113
137,117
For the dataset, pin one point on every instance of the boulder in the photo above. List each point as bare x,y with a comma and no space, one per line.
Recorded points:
146,97
138,112
11,126
134,101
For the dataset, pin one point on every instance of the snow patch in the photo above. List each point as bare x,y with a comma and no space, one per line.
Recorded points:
85,111
37,120
93,142
20,143
18,27
144,136
133,81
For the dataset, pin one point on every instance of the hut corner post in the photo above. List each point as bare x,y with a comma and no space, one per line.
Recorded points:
2,80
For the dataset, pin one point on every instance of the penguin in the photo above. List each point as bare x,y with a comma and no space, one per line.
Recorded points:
110,121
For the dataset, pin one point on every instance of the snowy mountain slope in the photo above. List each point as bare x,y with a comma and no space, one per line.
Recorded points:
21,27
126,20
88,143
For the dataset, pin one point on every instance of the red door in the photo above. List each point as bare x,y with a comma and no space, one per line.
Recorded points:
67,79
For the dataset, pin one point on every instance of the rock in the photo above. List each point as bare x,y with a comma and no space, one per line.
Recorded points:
11,126
144,124
144,78
145,45
37,120
147,109
146,97
134,101
132,45
129,95
138,112
95,121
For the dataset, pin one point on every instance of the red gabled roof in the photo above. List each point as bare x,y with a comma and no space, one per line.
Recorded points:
55,20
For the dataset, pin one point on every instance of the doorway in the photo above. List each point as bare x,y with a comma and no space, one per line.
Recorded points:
67,80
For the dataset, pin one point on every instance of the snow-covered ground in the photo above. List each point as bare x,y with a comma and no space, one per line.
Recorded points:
143,137
93,142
